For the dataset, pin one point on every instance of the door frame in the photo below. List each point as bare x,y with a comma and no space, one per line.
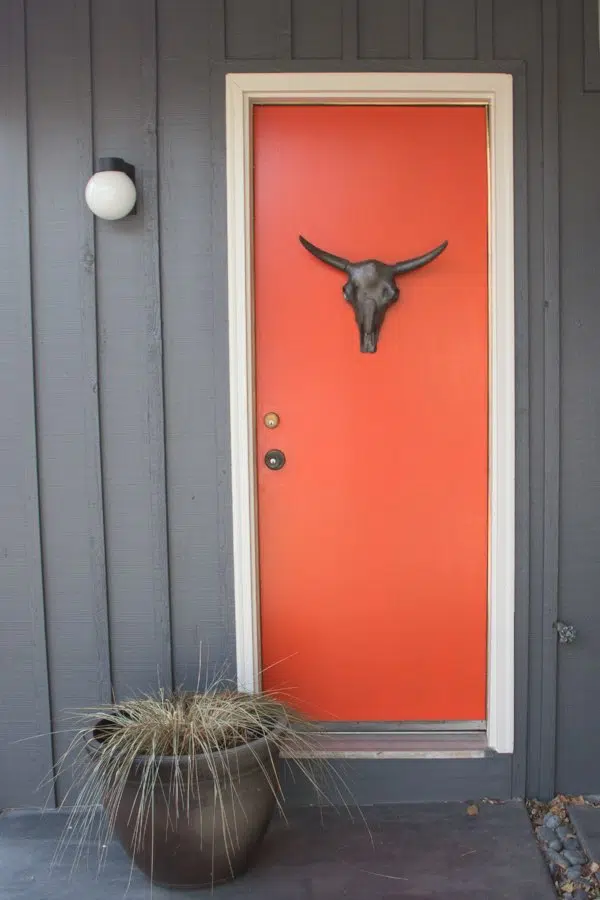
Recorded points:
495,92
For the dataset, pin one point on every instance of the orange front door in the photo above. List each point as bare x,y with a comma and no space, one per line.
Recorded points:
373,537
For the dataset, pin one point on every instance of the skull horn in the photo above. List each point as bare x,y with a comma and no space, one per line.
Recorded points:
329,258
408,265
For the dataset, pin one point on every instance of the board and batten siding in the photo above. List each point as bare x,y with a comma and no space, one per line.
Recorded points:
115,499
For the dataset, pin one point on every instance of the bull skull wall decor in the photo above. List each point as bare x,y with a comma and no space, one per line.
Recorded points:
371,287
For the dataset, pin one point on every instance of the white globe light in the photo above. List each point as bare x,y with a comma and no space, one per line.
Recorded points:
110,195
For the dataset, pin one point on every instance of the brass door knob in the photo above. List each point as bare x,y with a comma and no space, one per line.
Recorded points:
271,420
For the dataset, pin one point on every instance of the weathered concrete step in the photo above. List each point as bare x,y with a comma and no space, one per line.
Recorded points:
433,851
586,822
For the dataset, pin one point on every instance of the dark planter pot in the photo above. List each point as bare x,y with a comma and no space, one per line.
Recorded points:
218,839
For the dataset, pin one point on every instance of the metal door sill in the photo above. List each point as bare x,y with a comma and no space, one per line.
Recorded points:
405,745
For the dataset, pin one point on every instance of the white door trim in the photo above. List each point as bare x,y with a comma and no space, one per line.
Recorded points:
495,92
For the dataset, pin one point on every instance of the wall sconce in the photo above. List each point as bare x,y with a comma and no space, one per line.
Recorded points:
110,193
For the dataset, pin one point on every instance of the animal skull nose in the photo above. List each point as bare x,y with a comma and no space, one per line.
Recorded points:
368,342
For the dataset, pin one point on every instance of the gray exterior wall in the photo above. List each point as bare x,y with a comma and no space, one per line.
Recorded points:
115,502
578,729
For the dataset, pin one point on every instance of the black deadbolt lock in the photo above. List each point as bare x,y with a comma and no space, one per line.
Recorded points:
274,459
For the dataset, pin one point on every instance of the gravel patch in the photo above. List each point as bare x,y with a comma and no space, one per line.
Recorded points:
573,874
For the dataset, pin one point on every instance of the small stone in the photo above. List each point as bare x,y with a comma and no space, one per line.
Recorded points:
573,873
564,832
571,843
556,844
575,857
546,834
557,858
551,821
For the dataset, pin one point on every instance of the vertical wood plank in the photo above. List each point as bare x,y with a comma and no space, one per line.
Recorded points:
283,46
253,30
485,29
552,388
522,431
324,42
199,609
578,732
417,27
450,29
385,28
215,15
350,30
591,46
58,54
218,214
518,34
24,700
129,310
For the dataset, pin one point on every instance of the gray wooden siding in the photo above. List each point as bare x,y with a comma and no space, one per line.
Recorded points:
578,727
24,696
117,570
128,296
58,80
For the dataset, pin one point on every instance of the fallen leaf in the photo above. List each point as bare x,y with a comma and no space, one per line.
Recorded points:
593,867
578,801
568,887
473,810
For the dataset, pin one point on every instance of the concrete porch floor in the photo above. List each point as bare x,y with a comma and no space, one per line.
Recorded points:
425,852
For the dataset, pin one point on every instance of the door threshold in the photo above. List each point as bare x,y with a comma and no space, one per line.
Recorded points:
405,745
